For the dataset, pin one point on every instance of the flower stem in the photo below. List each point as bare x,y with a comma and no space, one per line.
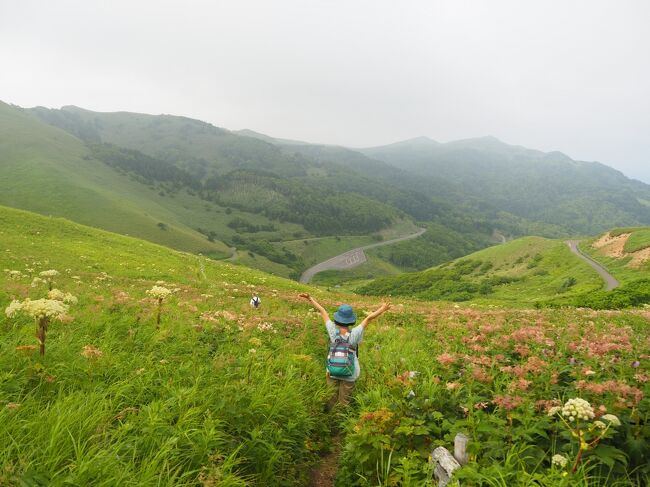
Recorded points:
40,334
158,315
579,455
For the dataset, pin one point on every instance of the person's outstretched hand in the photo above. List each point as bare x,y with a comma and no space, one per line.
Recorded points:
304,295
385,307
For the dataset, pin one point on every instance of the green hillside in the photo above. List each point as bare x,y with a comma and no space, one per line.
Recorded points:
234,170
585,197
222,394
525,271
48,171
129,192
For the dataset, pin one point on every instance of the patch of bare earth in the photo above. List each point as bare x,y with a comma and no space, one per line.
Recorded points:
639,258
325,472
612,246
615,247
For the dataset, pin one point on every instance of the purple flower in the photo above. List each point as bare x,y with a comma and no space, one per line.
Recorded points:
636,363
572,361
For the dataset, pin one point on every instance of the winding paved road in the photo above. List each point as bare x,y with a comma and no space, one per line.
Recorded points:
610,280
351,258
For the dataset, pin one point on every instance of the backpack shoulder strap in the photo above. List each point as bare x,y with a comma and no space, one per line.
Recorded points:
346,339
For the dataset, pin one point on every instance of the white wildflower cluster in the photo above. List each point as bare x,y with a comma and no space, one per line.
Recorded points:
577,409
554,410
559,460
159,292
91,352
61,296
103,276
49,274
266,327
15,274
611,419
36,281
38,308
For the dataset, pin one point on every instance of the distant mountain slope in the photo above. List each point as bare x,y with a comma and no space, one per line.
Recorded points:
223,159
48,171
234,170
586,197
199,147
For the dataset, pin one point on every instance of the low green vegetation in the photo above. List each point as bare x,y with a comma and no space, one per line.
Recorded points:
634,293
160,373
500,376
526,271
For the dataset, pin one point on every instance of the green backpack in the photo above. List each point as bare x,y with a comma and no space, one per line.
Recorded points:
340,359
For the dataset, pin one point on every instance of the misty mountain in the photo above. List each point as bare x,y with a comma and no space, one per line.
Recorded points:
282,179
548,187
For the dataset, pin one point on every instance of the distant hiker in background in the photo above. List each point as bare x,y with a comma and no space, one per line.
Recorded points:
256,301
343,367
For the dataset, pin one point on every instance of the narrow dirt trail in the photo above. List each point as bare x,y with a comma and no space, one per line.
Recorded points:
325,472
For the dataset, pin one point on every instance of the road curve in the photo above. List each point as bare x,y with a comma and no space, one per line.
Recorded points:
351,258
610,281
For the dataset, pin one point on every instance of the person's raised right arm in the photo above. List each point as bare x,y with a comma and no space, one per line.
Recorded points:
316,304
375,314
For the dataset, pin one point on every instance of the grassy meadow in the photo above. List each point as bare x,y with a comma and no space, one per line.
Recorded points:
221,394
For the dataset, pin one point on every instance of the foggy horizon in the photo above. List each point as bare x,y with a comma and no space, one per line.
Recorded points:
547,76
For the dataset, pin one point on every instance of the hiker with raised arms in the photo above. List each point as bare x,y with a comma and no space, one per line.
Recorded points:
343,367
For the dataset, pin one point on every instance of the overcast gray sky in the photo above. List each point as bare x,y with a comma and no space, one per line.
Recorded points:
562,75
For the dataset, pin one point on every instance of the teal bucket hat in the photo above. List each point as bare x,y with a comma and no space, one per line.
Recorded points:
344,315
